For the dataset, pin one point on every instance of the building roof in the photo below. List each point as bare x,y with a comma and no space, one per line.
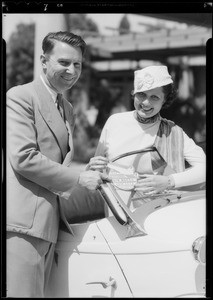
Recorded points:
155,45
198,19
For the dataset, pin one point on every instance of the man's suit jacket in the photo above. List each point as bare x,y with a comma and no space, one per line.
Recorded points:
39,152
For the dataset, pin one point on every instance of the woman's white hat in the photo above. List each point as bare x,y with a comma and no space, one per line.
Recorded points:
151,77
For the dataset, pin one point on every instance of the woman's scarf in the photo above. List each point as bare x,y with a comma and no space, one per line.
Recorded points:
169,142
146,120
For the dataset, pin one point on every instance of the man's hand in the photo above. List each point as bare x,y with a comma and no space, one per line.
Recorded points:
97,163
92,179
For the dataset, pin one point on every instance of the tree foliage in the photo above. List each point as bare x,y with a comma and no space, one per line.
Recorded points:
20,55
82,23
124,26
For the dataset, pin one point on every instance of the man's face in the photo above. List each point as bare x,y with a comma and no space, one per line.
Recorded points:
62,66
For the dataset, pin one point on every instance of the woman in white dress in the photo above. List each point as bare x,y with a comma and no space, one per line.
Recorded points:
144,127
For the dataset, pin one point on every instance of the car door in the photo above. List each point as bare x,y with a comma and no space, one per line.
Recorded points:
84,266
161,263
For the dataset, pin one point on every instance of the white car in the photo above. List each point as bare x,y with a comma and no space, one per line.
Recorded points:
153,247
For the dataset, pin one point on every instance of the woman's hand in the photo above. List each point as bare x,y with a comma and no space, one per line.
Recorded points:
97,163
153,183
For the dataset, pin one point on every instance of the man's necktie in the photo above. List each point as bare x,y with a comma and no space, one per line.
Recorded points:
59,102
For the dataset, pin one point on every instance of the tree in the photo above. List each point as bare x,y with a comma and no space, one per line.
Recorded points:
20,55
83,24
124,26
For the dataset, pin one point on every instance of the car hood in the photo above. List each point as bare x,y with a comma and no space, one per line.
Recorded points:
171,228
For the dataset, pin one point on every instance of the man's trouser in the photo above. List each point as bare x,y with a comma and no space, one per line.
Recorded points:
29,261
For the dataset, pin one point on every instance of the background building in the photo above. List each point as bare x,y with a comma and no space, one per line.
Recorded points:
119,44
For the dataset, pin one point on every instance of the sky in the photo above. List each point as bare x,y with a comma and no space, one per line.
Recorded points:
10,21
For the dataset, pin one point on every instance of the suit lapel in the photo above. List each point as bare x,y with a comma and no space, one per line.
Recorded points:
51,115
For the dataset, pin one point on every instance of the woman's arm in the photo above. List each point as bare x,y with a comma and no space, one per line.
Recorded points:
100,160
195,174
196,157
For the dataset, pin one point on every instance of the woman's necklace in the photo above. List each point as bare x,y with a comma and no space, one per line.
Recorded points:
147,120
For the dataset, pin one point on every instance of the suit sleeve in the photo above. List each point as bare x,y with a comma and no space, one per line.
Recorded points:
23,151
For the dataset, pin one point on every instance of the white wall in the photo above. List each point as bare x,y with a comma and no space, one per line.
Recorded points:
45,23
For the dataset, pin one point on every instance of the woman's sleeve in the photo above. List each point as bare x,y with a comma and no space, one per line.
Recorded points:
195,156
101,149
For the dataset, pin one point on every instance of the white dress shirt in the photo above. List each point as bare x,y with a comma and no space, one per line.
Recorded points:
50,90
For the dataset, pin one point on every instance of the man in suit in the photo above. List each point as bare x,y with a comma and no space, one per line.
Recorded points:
39,171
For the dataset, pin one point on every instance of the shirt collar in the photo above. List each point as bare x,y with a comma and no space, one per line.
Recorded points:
50,90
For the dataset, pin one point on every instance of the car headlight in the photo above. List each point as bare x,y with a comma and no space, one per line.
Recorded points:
199,249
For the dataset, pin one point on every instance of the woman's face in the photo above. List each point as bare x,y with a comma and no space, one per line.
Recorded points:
149,103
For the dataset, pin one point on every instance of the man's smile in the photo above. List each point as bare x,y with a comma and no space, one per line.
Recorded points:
68,78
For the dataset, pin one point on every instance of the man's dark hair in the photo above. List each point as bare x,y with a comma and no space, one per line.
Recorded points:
65,37
170,94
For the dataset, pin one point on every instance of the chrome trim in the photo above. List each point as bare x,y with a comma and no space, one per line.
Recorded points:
191,295
199,249
112,282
